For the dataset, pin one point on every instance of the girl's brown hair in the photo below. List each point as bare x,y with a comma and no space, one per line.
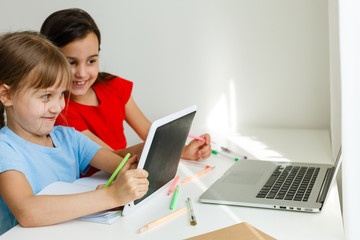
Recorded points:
65,26
24,54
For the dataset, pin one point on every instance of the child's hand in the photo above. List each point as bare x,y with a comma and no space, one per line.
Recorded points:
130,184
134,162
197,149
100,186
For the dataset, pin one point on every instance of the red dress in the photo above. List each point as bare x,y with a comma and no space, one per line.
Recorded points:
105,120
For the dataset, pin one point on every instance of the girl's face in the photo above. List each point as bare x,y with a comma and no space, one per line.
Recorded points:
83,56
32,112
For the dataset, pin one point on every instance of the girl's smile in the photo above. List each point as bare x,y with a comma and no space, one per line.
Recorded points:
33,112
51,119
83,56
79,84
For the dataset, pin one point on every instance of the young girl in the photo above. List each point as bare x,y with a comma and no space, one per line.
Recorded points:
100,102
34,77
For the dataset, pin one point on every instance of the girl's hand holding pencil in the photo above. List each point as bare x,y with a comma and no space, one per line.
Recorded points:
129,184
199,148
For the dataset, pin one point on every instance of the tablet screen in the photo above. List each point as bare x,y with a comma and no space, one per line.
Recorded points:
162,151
165,152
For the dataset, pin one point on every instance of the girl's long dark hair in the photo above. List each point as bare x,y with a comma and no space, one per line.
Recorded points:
64,26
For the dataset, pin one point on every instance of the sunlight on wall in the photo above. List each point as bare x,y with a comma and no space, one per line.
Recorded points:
223,118
219,117
232,105
224,113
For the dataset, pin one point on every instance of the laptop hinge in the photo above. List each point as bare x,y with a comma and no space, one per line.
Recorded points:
325,185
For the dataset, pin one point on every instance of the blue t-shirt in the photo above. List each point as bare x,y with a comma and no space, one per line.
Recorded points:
43,165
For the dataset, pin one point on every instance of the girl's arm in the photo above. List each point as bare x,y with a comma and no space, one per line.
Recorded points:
133,150
31,210
108,160
136,119
96,139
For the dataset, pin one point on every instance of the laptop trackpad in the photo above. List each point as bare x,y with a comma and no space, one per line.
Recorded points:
244,177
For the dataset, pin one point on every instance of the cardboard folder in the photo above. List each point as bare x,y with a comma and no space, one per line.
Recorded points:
240,231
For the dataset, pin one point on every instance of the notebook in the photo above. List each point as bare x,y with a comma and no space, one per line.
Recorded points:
81,185
162,151
276,185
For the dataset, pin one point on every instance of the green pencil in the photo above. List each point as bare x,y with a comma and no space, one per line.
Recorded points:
174,198
117,170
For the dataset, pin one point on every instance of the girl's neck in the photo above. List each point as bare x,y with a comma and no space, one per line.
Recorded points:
45,141
42,140
89,98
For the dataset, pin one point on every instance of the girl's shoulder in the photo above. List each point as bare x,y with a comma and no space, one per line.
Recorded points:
64,131
110,79
111,83
7,136
70,138
62,135
4,135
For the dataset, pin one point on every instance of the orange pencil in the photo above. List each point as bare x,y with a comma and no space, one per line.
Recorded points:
173,185
161,220
206,170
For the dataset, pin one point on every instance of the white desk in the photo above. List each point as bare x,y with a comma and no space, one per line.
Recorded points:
294,145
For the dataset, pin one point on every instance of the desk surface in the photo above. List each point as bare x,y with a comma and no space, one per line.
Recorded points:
268,144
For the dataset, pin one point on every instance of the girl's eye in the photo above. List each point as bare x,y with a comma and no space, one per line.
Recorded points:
71,62
91,61
45,97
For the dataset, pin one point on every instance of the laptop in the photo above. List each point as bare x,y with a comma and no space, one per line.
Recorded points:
276,185
162,151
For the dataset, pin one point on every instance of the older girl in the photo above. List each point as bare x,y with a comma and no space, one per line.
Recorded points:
100,102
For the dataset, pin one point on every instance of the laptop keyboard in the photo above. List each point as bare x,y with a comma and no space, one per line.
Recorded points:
290,183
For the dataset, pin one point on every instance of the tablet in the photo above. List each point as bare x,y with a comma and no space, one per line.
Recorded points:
162,151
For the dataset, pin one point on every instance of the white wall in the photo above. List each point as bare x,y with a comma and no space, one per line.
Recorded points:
349,28
335,85
254,63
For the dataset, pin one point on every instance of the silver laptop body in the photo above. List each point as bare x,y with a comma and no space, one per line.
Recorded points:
264,184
